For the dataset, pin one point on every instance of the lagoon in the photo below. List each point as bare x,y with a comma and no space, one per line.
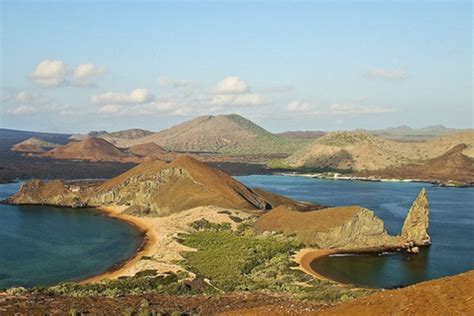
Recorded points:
44,245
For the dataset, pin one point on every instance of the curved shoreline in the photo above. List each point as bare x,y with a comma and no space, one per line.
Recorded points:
305,256
149,239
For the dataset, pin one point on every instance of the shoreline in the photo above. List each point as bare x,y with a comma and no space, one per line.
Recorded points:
149,239
305,256
341,177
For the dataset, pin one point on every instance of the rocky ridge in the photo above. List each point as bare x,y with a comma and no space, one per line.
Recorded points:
349,228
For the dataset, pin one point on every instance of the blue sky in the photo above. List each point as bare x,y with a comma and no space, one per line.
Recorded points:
74,67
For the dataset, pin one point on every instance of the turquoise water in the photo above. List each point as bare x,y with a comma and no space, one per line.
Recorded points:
42,245
451,227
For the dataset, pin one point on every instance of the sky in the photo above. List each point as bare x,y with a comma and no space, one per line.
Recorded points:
78,66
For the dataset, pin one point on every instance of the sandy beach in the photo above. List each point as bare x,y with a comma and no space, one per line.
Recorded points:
305,256
159,250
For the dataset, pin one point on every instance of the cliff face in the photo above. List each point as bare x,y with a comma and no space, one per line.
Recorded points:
154,188
415,228
349,228
343,228
364,230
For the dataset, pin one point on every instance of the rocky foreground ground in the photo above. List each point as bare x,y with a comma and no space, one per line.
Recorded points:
446,296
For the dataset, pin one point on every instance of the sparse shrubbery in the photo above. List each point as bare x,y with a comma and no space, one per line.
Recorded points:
243,261
225,260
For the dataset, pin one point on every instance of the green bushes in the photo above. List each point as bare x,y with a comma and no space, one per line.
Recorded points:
242,261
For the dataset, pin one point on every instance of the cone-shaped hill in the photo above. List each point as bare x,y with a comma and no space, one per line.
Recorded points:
159,188
156,188
148,150
93,149
33,145
229,134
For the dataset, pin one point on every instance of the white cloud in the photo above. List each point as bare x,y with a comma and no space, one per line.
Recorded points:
84,74
246,99
299,106
84,71
54,73
165,81
233,91
231,85
388,74
21,102
137,96
23,109
49,73
350,109
109,109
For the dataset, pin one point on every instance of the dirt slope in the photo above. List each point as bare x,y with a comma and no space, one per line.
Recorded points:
92,149
184,183
148,150
453,166
232,134
359,151
33,145
446,296
154,188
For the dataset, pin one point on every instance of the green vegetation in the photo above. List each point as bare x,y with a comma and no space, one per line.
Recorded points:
341,139
265,143
225,261
142,283
243,261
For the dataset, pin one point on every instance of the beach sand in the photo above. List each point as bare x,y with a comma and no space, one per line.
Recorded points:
160,251
305,256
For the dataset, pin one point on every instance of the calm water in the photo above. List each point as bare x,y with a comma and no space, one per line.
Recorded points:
451,227
42,245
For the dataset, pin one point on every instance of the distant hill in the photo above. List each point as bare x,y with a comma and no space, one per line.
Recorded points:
359,151
302,134
92,149
228,134
451,167
10,137
406,133
133,133
33,145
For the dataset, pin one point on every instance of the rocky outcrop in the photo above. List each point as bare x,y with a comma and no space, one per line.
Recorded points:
415,228
349,228
344,228
154,188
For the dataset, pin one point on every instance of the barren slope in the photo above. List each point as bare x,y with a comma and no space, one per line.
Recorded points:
358,151
446,296
453,166
230,134
92,149
33,145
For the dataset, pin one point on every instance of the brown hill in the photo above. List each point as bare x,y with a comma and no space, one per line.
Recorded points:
359,151
302,134
229,134
155,188
453,166
33,145
348,227
445,296
148,150
160,188
92,149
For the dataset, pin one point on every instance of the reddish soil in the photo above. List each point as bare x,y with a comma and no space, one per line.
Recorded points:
451,166
91,149
30,304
